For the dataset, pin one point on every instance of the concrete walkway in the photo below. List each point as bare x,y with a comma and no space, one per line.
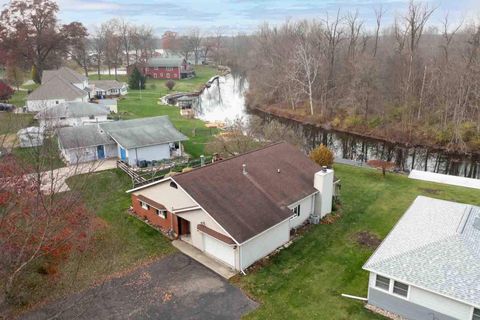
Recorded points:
55,180
202,258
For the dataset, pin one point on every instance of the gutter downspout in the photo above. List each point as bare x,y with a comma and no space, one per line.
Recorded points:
240,260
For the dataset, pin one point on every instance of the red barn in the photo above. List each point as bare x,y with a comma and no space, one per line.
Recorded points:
168,68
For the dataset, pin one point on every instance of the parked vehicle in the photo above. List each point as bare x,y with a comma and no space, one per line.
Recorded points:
6,107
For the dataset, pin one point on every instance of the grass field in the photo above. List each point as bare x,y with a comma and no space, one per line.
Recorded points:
11,123
306,280
144,103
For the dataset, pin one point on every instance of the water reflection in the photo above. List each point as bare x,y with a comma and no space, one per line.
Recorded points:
224,100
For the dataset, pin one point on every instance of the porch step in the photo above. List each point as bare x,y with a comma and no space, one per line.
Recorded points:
202,258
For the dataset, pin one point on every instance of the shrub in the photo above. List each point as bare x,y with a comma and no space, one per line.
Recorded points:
322,155
170,84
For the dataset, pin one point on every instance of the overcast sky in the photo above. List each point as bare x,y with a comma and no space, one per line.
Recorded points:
234,16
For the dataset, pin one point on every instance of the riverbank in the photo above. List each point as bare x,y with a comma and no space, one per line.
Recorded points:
415,138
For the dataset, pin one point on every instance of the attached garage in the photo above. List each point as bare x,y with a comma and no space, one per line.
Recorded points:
219,250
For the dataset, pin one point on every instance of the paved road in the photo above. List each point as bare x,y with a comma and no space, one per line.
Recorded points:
175,287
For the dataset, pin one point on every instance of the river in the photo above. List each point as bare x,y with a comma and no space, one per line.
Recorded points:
224,101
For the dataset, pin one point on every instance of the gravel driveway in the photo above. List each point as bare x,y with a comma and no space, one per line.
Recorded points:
175,287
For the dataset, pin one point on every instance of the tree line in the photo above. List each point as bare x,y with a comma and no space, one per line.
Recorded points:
408,81
31,38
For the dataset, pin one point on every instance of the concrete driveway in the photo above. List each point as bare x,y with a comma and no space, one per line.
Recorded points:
175,287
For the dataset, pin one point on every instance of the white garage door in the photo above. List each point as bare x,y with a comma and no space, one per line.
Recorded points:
219,250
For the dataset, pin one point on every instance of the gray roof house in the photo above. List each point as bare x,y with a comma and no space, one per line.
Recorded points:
429,264
107,88
137,141
62,85
72,114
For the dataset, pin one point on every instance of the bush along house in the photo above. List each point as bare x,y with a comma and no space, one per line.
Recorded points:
239,210
167,68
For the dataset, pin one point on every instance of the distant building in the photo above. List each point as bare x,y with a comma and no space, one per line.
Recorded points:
107,88
58,86
169,39
167,68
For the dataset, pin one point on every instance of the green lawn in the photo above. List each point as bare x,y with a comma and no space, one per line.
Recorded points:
144,103
44,158
11,122
306,280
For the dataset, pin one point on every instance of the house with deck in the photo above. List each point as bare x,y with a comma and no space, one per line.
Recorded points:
428,267
136,142
58,86
72,114
239,210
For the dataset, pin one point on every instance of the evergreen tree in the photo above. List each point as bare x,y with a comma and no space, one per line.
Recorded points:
136,80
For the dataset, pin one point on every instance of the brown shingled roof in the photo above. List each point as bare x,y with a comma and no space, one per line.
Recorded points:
246,205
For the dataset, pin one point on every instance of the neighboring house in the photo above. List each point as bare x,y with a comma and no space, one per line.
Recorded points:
241,209
428,267
58,86
168,68
111,104
72,114
108,88
136,142
145,139
86,143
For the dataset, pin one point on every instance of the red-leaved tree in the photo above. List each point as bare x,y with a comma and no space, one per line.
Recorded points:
37,228
6,91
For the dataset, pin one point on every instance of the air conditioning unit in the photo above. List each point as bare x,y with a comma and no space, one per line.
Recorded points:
314,219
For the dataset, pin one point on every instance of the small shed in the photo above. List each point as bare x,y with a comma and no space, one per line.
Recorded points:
30,137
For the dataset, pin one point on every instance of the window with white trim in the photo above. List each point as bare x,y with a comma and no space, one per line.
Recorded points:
382,282
476,314
161,213
144,205
400,288
296,211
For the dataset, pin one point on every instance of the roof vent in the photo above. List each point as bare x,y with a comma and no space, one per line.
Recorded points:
278,170
244,166
476,223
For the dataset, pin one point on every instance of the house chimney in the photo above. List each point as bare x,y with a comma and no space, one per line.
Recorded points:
244,167
323,182
202,160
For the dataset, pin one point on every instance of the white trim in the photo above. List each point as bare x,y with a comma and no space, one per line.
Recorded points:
186,209
227,244
148,185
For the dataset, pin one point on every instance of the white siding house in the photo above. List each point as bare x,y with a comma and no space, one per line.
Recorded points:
428,267
72,114
233,210
58,86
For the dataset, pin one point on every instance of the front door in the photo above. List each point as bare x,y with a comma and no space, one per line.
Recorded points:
123,154
101,152
183,227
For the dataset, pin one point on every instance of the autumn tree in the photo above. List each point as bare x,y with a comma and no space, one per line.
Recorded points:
322,155
381,164
29,30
